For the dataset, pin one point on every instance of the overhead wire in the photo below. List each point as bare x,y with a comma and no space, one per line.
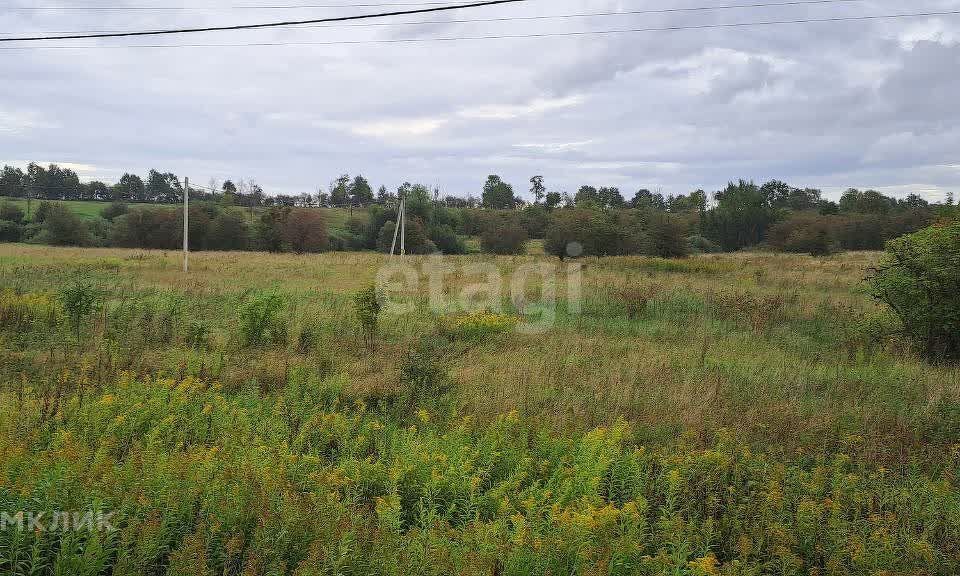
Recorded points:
648,11
261,25
582,33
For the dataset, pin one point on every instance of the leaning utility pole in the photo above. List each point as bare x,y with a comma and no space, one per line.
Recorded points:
186,224
400,228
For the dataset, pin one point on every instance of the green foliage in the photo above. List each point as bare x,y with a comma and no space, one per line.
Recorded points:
61,227
261,319
497,194
423,374
114,210
417,241
78,301
11,213
367,304
504,236
919,278
741,217
702,245
447,240
10,231
805,233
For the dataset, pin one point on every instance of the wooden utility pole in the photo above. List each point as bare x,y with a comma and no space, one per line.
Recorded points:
186,224
399,229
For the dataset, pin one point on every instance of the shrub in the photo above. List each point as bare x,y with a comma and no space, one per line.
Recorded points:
227,231
61,227
367,305
149,228
11,212
78,301
305,230
666,237
702,245
581,232
261,320
503,236
114,210
805,233
919,278
447,240
423,374
416,238
10,231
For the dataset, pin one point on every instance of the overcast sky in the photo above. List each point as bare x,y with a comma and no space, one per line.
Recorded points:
827,105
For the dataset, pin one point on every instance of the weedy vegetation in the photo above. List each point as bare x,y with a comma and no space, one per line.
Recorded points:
739,414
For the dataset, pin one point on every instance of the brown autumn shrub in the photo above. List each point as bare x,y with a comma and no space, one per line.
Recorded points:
305,230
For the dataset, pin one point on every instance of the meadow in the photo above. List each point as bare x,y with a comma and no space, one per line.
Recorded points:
739,414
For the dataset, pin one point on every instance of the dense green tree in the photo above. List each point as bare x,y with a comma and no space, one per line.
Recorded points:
13,182
497,194
553,200
130,188
586,197
741,217
919,278
360,191
340,191
610,197
647,199
866,202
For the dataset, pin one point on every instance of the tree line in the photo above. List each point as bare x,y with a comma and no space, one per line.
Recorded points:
596,220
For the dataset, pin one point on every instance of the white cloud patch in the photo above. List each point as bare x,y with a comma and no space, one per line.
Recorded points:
537,106
20,121
399,127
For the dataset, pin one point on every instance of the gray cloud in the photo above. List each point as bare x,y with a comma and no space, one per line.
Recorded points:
867,104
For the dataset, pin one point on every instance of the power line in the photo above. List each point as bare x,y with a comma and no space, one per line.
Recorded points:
263,25
211,8
510,36
546,17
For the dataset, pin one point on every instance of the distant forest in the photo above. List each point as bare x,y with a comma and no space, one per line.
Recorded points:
598,221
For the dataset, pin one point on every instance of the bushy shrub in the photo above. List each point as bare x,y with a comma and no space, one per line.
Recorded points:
581,232
503,236
114,210
62,227
416,238
702,245
227,231
367,305
10,231
666,237
807,233
78,300
11,212
305,230
447,240
423,374
860,232
261,319
919,278
156,228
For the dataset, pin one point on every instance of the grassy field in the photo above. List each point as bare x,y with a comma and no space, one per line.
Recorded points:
88,210
336,217
738,414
